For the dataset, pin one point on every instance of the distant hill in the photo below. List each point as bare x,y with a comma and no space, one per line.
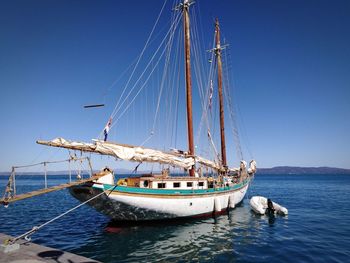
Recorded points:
302,170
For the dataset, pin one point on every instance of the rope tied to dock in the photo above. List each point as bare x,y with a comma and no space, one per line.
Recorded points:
27,234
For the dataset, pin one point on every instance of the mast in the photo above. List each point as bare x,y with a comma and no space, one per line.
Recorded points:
186,5
222,121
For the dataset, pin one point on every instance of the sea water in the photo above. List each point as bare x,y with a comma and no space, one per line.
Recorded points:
317,228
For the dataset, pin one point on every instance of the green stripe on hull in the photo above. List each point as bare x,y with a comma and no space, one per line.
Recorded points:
137,190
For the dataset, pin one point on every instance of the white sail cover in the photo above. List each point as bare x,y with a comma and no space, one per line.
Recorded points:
135,153
140,154
208,163
124,152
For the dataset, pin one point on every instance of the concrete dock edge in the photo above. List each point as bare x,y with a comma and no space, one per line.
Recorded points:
29,252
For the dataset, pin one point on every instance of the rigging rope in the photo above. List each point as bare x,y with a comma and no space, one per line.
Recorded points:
175,82
138,80
141,88
138,61
205,104
119,105
149,137
46,162
230,107
167,60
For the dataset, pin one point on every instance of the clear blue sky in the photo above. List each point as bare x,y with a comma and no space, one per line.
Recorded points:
290,65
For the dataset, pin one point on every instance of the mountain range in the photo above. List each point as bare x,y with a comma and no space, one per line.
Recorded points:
302,170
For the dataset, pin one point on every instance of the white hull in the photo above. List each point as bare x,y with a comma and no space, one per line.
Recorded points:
138,207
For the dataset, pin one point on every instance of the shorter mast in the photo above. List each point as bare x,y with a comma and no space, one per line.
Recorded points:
221,102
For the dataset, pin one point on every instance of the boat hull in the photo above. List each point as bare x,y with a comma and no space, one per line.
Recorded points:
123,205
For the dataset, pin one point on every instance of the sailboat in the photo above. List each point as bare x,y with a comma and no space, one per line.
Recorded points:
163,195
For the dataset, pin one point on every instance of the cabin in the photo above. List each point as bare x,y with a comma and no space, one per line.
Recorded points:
166,182
181,183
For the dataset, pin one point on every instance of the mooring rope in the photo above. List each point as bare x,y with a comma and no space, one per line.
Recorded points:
27,234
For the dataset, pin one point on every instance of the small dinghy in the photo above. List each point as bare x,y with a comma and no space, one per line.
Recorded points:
262,205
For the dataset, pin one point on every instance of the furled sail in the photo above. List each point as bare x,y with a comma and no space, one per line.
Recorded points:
208,163
124,152
134,153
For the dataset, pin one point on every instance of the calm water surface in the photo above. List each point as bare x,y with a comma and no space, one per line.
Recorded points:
317,228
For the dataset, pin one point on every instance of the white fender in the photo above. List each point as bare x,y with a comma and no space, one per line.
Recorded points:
231,202
217,204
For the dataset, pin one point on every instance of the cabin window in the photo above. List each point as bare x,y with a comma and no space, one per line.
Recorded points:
201,184
145,183
176,185
189,184
161,185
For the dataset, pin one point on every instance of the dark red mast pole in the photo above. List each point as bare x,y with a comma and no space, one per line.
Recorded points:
221,101
186,20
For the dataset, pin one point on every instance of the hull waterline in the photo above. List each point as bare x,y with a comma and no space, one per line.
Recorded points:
123,205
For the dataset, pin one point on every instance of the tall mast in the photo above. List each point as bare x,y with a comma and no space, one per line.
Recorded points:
186,19
221,102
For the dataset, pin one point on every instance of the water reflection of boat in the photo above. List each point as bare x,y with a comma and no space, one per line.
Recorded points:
194,240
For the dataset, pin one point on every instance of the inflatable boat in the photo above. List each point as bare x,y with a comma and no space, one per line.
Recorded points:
262,205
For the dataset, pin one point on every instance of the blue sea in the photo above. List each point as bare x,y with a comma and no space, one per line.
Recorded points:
317,228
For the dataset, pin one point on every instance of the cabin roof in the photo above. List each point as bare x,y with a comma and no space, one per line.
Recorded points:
172,178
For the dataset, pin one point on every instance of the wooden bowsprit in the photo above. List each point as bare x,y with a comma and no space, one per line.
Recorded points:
10,194
6,200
